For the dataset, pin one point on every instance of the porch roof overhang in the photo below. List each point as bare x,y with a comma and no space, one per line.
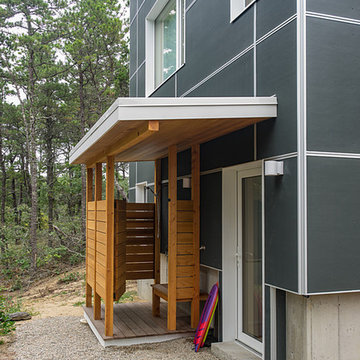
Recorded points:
141,129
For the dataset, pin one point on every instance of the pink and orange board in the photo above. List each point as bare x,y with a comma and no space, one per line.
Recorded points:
206,317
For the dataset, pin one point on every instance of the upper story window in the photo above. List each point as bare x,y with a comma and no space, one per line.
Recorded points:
237,7
165,41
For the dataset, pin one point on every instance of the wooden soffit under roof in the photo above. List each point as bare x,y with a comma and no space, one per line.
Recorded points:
141,129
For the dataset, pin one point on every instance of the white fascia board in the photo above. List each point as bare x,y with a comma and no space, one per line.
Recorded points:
130,109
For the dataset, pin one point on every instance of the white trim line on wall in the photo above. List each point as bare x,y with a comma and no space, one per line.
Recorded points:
190,6
276,29
273,325
333,154
222,67
283,289
333,292
333,18
301,145
136,71
210,267
239,55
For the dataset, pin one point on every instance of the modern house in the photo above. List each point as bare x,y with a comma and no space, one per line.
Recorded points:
243,119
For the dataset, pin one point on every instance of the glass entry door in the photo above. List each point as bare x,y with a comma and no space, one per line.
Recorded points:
249,259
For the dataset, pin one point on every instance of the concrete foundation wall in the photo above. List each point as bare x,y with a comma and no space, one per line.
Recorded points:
323,327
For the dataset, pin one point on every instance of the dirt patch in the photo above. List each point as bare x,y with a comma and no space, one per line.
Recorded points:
63,295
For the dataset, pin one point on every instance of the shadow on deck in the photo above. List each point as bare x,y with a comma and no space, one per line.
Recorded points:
134,324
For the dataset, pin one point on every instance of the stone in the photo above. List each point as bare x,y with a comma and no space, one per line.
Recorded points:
19,316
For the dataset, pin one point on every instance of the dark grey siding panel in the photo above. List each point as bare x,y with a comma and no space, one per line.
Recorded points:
276,74
164,169
167,89
333,79
333,224
211,219
211,40
267,323
348,8
132,195
271,13
281,324
133,46
235,80
183,164
281,264
141,81
150,194
164,219
182,194
145,171
133,8
144,10
132,174
231,149
132,89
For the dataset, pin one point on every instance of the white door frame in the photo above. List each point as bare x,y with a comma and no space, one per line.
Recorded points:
229,249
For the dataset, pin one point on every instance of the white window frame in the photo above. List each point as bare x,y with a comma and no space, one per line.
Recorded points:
237,7
150,43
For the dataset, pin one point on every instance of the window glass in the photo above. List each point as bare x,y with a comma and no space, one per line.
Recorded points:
165,37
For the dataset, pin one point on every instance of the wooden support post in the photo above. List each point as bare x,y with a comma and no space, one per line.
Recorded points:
195,196
89,197
98,194
109,281
157,188
172,237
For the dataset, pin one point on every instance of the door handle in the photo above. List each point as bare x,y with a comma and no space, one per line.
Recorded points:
202,247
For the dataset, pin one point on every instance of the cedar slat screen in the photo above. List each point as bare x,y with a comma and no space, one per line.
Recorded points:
185,250
140,241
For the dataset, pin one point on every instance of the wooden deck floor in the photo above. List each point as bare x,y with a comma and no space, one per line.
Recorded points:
134,324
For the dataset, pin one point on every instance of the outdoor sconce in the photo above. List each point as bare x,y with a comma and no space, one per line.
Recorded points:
186,183
274,168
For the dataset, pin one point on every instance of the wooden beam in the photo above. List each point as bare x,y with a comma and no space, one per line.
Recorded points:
89,197
109,281
98,195
130,140
157,189
172,237
195,197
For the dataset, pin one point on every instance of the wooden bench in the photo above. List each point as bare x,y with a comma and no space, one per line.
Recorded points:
161,290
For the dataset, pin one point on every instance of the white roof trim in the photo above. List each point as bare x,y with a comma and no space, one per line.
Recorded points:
128,109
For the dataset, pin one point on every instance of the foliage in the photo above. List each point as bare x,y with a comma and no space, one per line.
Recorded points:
79,303
62,63
7,306
70,277
128,296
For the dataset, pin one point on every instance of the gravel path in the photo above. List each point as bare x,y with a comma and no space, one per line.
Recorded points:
66,338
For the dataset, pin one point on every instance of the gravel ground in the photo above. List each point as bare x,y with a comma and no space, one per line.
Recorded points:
66,338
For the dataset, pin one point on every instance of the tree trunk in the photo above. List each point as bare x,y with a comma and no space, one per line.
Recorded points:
50,177
83,167
3,195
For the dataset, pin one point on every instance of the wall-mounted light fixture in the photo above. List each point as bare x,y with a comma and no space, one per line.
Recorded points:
274,168
186,183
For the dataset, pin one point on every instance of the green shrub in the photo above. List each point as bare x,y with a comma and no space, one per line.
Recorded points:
70,277
79,303
7,306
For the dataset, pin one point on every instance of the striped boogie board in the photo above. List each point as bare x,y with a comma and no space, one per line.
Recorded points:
206,317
